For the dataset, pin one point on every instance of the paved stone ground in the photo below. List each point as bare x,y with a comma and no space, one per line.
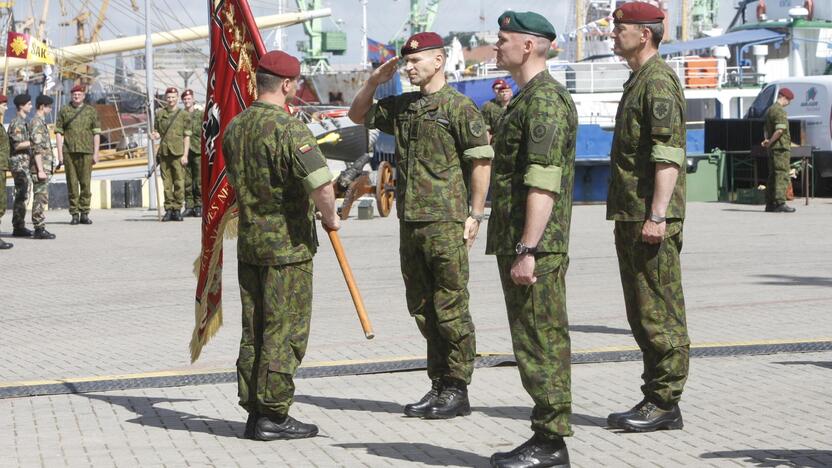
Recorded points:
116,298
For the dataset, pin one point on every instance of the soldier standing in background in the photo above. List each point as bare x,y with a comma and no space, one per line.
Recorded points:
43,163
528,231
275,245
78,136
4,165
647,202
436,129
193,176
21,163
494,109
172,129
778,142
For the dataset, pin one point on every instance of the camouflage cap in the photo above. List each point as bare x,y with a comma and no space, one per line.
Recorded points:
422,41
527,22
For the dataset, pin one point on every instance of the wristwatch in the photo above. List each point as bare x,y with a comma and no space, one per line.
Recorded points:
522,248
477,217
657,219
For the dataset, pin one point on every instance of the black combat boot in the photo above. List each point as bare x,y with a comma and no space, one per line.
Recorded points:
85,218
282,429
21,232
168,216
75,220
42,233
251,424
177,215
783,208
417,410
5,245
189,212
650,417
535,452
614,418
452,402
198,212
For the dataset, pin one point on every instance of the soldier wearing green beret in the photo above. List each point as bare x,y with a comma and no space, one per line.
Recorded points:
4,166
528,231
172,129
647,202
436,129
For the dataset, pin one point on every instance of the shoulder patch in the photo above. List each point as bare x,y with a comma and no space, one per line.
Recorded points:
661,108
539,132
305,149
476,127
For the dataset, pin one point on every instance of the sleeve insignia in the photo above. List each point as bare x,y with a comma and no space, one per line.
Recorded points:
305,149
539,132
661,109
476,127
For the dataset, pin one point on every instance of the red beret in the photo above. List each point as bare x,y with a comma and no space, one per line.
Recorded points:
422,41
500,83
187,92
4,99
77,89
280,64
786,93
638,13
172,90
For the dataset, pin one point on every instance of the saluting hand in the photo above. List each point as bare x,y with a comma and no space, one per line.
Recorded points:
522,271
472,228
386,71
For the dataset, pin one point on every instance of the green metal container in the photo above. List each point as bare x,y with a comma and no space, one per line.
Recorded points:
334,42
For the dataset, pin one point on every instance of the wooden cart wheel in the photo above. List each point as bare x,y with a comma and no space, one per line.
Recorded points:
385,188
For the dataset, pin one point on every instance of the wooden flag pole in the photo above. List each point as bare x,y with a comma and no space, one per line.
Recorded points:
354,292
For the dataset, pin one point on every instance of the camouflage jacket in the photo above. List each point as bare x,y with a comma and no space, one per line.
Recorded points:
41,141
776,119
534,147
273,163
172,132
196,131
18,133
433,133
649,128
78,130
4,149
491,112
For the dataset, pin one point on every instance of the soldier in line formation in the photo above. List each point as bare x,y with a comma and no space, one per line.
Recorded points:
531,163
492,110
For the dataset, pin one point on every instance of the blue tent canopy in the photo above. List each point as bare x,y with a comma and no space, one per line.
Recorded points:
739,37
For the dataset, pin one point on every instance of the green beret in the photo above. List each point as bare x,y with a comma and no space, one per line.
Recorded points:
527,22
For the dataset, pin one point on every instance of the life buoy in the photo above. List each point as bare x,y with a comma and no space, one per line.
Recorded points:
761,10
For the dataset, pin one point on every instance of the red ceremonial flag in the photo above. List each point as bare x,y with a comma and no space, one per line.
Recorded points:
17,45
236,48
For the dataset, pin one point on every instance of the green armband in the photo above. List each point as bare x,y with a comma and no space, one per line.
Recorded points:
96,131
668,154
479,152
781,127
316,179
543,177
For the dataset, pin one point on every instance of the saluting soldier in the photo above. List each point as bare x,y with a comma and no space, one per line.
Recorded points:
78,136
647,202
778,141
436,129
528,231
4,165
275,166
494,108
193,177
173,130
43,165
21,163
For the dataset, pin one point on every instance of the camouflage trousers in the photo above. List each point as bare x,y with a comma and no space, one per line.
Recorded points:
193,181
3,200
78,168
277,309
21,195
651,277
173,179
778,177
540,338
40,199
434,264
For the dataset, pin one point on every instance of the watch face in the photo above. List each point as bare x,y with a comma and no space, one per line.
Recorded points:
519,248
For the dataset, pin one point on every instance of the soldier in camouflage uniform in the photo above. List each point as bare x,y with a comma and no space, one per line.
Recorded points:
4,166
172,127
43,163
494,109
77,136
647,202
435,128
193,176
778,142
21,163
275,245
528,231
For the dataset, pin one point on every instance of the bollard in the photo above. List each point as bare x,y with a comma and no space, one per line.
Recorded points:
365,209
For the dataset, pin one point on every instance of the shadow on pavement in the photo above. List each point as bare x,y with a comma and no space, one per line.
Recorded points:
421,453
792,280
351,404
824,364
772,458
523,413
760,210
599,329
150,415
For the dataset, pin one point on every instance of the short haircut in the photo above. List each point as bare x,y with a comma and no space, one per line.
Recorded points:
43,101
266,82
657,32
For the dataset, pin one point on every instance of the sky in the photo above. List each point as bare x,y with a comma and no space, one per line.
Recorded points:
385,17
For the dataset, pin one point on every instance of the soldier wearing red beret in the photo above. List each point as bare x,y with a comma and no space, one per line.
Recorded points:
438,131
193,179
646,200
494,108
777,142
172,129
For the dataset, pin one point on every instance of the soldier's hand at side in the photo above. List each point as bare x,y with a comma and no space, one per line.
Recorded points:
765,143
183,160
95,157
522,271
41,175
653,233
472,228
386,71
332,224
